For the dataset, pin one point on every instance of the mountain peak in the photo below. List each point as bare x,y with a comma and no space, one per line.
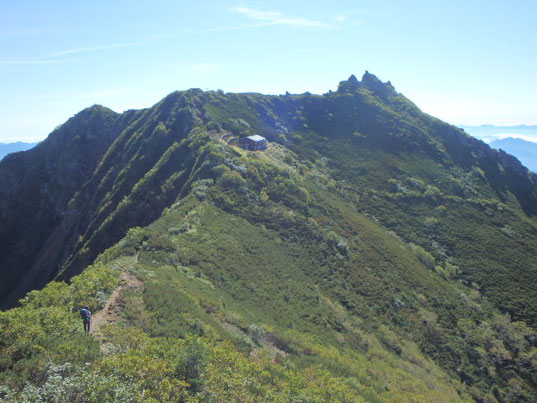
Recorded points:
353,80
96,109
368,77
369,81
349,85
372,83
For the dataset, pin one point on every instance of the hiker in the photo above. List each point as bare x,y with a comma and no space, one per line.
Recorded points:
86,317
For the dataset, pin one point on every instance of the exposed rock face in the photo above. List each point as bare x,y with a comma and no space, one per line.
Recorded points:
370,82
350,85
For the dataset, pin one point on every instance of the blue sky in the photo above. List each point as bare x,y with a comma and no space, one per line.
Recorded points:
466,62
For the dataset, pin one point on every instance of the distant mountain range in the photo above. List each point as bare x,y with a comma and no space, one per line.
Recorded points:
519,140
7,148
525,151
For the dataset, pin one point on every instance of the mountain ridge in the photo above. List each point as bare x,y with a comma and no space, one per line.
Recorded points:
463,148
418,236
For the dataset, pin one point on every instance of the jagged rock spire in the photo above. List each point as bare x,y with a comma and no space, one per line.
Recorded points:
350,85
370,82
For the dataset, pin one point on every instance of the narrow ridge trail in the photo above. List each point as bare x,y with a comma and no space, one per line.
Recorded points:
110,312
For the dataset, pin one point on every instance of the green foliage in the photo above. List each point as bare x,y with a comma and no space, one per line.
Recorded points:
152,378
66,383
192,360
54,294
47,329
92,288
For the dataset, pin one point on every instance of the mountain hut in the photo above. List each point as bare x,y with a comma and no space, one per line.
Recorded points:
254,143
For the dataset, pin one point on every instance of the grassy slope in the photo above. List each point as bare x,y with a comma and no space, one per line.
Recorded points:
224,284
492,243
259,279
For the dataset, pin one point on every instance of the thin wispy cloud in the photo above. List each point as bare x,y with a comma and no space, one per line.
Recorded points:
278,18
52,57
262,19
95,48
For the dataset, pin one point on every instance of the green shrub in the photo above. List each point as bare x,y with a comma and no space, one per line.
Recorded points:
192,360
86,288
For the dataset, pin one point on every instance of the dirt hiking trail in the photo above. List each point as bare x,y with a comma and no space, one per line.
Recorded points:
109,313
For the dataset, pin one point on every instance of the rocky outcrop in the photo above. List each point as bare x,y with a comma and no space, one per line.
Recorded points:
350,85
369,82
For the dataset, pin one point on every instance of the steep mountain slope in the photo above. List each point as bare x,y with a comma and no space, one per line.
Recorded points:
35,189
372,252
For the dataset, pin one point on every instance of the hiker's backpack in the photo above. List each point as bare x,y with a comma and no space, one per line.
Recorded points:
86,315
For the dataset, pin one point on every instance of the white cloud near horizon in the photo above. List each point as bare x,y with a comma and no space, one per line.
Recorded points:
278,18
